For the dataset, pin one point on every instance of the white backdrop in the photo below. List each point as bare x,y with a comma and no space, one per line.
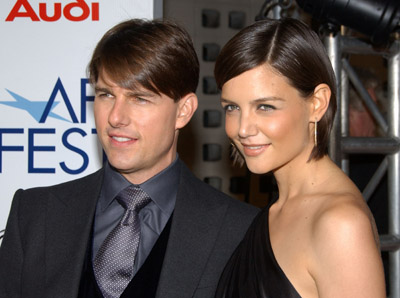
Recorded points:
46,122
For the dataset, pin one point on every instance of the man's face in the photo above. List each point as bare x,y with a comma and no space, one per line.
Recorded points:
137,129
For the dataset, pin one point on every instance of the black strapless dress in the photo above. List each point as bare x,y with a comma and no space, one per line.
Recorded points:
252,271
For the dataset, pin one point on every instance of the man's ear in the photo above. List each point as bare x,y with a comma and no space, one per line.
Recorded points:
320,102
187,105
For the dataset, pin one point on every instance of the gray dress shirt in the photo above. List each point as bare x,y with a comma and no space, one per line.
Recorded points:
162,189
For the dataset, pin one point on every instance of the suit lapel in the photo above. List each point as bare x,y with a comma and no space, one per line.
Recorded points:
69,217
195,226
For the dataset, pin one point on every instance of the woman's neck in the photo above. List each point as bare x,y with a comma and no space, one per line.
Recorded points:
301,177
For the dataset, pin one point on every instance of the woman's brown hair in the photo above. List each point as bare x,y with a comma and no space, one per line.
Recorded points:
292,49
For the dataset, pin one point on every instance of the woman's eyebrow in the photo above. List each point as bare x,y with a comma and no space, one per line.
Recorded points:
268,98
257,100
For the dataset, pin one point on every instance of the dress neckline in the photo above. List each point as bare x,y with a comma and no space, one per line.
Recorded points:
270,246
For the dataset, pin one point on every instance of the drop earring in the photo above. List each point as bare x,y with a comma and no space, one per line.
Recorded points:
315,133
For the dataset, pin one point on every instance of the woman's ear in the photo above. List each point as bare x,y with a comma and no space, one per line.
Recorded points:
320,101
187,105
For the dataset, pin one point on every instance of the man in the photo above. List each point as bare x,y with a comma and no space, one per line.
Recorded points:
60,241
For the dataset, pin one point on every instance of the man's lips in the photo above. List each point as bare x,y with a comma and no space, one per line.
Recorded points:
121,140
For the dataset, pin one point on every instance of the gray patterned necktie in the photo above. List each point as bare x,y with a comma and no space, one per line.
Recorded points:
113,264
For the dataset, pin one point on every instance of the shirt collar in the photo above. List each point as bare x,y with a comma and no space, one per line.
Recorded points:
162,188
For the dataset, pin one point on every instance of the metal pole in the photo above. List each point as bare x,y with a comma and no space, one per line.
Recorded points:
353,45
384,145
332,45
375,179
276,12
394,165
389,243
344,82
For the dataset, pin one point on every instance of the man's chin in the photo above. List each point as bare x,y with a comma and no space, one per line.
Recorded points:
121,166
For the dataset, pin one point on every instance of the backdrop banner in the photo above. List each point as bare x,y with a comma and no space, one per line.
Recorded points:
47,131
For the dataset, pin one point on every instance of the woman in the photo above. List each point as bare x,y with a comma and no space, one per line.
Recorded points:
318,239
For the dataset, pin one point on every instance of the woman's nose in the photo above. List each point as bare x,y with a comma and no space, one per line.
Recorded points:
248,126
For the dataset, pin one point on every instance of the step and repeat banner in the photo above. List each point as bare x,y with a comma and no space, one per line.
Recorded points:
47,132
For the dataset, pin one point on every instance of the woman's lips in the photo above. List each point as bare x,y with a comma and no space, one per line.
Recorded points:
254,149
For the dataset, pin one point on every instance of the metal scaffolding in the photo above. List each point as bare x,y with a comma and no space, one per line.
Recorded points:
341,145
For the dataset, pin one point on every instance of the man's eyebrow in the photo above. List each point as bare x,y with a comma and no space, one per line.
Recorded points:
130,93
140,93
101,89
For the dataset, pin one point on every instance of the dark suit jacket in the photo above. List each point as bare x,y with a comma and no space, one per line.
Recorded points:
48,231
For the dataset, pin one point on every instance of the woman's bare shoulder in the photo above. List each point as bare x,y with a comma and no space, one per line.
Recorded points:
342,211
345,212
345,245
339,203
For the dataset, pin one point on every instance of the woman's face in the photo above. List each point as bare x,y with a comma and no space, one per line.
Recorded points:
267,119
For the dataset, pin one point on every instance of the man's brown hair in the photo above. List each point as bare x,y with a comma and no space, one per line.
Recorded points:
156,54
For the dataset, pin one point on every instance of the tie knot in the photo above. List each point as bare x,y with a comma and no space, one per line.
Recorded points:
133,198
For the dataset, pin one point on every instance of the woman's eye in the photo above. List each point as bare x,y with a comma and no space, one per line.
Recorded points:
230,108
264,107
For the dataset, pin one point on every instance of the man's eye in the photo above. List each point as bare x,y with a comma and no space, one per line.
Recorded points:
105,95
141,100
